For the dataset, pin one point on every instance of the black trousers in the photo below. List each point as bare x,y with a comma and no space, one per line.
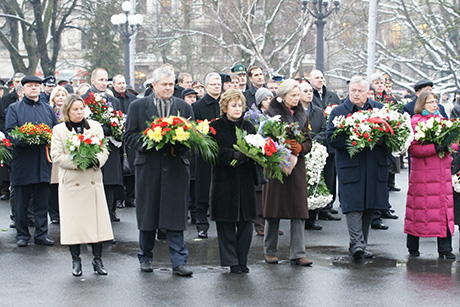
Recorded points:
259,222
129,182
110,198
53,207
330,178
234,240
312,214
202,223
444,244
41,193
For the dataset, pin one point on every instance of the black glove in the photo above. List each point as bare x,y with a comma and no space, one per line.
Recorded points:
241,157
107,130
94,163
381,141
441,148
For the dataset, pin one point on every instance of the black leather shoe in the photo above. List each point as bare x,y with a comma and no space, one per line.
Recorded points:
22,243
313,226
394,189
13,224
98,266
379,226
182,270
130,204
115,217
358,254
44,241
328,216
203,234
55,221
76,267
447,255
120,204
244,269
388,215
414,253
333,211
368,254
147,266
235,269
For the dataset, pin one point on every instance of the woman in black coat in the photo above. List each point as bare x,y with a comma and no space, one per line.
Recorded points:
232,197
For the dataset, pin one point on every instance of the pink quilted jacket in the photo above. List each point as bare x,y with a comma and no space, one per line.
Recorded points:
429,207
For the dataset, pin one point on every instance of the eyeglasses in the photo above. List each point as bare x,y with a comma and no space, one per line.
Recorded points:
432,102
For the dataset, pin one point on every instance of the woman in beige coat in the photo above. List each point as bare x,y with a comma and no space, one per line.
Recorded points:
83,210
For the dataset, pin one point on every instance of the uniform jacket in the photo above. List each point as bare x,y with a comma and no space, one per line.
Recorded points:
205,108
30,164
429,207
233,195
327,98
363,178
162,180
83,212
288,200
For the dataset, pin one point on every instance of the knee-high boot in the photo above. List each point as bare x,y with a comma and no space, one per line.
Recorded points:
76,260
98,266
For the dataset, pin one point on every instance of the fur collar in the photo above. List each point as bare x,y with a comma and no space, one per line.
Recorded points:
278,108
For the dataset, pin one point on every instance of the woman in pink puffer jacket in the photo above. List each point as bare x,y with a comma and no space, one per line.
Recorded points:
429,208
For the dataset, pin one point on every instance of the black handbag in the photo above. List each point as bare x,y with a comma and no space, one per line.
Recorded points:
259,178
126,169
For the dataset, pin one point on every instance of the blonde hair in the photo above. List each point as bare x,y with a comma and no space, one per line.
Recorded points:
55,91
68,104
230,95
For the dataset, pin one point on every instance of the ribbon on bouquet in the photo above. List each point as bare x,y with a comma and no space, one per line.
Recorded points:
378,120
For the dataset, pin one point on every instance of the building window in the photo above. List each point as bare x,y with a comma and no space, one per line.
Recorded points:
395,34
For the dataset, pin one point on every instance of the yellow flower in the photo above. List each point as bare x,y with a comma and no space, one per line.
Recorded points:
203,127
181,135
169,120
155,134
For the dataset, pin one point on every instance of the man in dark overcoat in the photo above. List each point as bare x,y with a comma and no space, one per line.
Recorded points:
362,178
112,173
162,177
125,98
205,108
30,168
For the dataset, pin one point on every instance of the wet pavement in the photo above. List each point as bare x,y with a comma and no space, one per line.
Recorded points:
41,276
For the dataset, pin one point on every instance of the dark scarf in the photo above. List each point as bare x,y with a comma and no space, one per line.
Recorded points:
78,126
278,108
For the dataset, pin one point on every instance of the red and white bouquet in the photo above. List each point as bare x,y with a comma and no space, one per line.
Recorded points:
83,149
98,109
327,111
176,130
364,129
271,155
5,146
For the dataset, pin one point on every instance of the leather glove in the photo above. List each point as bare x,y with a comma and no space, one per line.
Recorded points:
295,147
241,157
107,130
441,148
94,163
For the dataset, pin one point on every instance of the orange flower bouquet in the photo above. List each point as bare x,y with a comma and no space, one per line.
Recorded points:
33,134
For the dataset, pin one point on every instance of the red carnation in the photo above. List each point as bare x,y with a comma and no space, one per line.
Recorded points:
7,142
369,139
163,124
87,141
353,143
366,135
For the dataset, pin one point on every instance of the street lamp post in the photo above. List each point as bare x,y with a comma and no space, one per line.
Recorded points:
127,24
320,11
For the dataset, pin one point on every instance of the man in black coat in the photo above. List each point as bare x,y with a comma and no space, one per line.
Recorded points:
125,98
419,87
30,168
257,80
162,176
112,173
205,108
322,98
184,81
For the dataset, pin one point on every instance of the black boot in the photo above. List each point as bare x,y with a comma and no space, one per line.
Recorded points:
98,266
76,260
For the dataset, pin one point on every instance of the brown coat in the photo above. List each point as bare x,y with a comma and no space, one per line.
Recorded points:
82,206
288,200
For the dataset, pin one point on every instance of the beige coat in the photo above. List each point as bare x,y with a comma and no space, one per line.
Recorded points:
82,206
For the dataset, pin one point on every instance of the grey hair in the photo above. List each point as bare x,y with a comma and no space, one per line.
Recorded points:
287,86
19,75
376,76
210,76
303,85
360,80
162,72
119,76
82,85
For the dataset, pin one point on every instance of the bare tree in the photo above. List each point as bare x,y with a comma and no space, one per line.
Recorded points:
38,26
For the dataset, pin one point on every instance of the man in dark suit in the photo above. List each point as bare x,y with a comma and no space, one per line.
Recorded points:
162,176
363,178
257,80
205,108
126,98
30,169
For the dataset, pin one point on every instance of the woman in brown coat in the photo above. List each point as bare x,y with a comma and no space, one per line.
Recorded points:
83,209
288,200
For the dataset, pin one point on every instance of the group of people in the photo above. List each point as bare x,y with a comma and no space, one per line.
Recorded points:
164,185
